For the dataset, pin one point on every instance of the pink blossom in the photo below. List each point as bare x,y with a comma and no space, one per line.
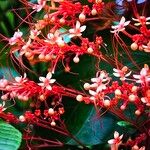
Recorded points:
2,107
34,33
21,79
142,20
146,48
77,30
117,139
46,81
38,7
121,73
16,37
121,26
100,81
144,77
54,38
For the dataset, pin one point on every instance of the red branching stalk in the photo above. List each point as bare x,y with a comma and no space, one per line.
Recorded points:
46,43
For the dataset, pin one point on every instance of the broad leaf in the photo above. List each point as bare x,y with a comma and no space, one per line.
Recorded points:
10,137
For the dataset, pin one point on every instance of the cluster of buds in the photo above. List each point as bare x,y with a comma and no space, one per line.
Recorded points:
60,35
107,93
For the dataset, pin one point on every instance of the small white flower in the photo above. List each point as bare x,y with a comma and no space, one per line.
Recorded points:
77,30
144,77
100,81
145,100
21,79
46,82
54,38
38,7
34,33
122,73
2,107
142,20
146,48
17,35
120,27
117,139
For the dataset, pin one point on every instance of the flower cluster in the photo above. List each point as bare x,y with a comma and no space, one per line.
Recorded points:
65,31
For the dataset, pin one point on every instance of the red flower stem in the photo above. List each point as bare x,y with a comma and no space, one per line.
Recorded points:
127,34
58,143
119,114
50,128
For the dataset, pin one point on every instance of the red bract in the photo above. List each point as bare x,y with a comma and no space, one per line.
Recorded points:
65,31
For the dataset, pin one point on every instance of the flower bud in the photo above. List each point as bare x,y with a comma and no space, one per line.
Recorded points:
94,12
53,123
134,46
106,103
90,50
79,98
22,118
86,86
82,17
76,59
51,111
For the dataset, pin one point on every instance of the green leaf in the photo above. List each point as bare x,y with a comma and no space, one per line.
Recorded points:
123,123
95,129
10,137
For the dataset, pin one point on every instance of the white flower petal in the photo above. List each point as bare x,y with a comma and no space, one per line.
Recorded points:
41,84
116,74
42,79
92,92
49,87
82,28
49,75
116,134
77,25
94,79
71,30
52,80
122,21
112,141
136,76
126,23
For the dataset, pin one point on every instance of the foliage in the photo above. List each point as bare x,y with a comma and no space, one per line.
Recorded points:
75,73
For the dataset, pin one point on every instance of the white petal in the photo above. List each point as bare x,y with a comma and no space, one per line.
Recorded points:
135,19
116,134
114,27
94,85
116,74
128,74
82,28
71,35
137,24
49,75
49,87
18,79
42,79
92,92
148,18
71,30
94,80
126,23
112,141
122,21
121,136
136,76
77,25
41,84
143,72
116,70
52,80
